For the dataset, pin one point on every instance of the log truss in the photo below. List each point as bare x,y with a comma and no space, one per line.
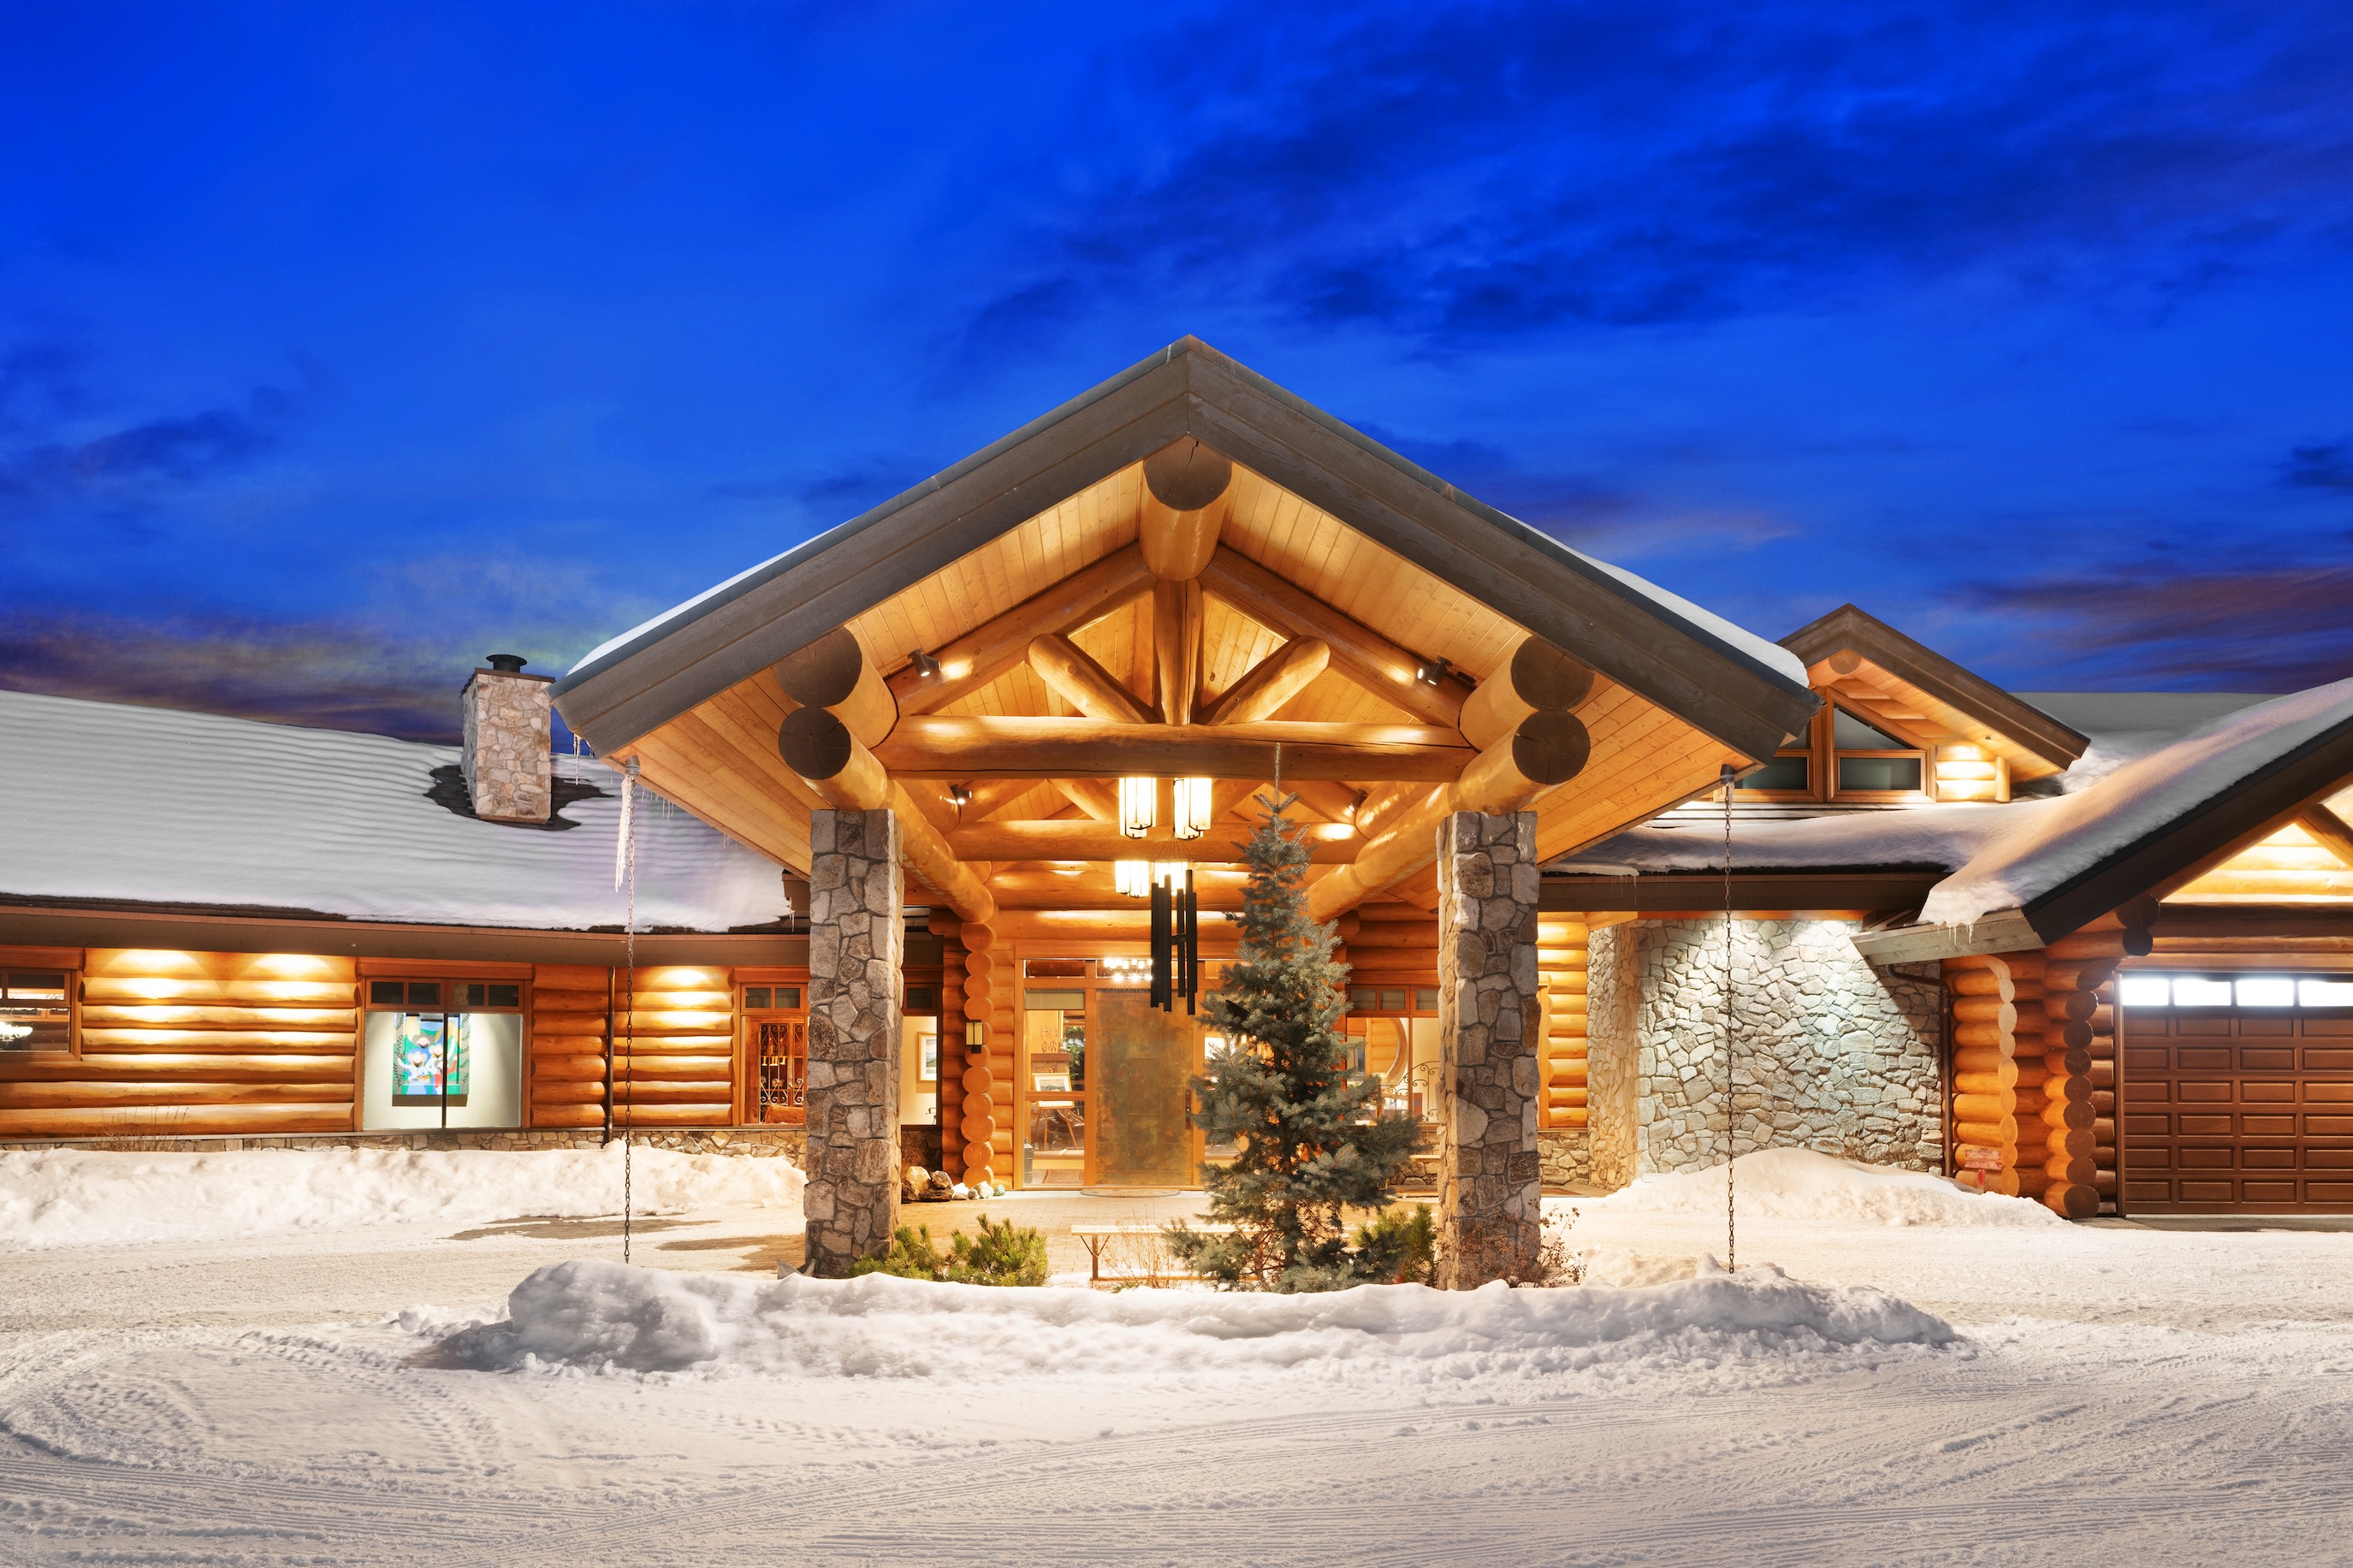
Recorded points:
1185,618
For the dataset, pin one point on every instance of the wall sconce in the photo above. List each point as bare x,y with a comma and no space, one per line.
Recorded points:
975,1037
926,667
1138,803
1192,808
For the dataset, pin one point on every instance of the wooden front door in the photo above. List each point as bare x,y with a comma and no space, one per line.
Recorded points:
2233,1108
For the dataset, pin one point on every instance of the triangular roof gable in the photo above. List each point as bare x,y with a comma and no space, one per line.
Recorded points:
1724,681
1902,685
2155,823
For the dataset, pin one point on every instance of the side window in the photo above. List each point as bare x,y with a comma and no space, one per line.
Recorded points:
36,1010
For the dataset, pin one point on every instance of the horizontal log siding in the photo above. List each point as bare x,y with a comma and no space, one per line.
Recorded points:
674,1048
1561,963
195,1042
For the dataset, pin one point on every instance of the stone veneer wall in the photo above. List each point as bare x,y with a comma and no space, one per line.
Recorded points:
1830,1053
857,947
1567,1153
1490,1174
509,772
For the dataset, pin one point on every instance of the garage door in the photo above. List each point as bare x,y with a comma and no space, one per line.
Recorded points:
2238,1094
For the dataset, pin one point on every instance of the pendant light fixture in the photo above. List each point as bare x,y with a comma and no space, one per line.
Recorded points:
1192,807
1138,803
1132,879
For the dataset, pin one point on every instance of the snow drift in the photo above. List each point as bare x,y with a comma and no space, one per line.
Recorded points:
597,1316
1803,1184
80,1197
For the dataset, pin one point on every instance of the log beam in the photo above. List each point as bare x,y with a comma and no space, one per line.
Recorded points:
996,646
1098,799
819,747
1176,626
2332,830
1358,652
1188,489
835,674
1271,682
1072,674
1537,677
1017,747
1538,757
1328,843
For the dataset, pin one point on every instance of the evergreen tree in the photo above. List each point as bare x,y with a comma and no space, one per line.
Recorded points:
1314,1140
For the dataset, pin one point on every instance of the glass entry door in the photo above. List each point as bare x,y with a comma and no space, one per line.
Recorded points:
1144,1059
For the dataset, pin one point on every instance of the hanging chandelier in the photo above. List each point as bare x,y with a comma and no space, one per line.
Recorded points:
1132,878
1192,808
1138,803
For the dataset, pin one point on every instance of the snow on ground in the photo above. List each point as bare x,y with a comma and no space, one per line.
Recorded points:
594,1315
1802,1184
75,1197
2108,1395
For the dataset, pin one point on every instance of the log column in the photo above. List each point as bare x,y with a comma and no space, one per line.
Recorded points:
1562,956
857,942
1984,1066
2077,966
971,1135
1489,1181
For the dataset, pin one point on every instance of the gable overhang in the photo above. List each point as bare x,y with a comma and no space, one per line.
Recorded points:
1861,658
730,635
2288,787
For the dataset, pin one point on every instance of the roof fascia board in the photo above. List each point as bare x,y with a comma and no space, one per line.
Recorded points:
2249,809
822,585
2004,931
1521,573
1850,627
1751,890
69,927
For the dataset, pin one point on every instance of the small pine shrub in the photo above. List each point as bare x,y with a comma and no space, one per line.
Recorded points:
1005,1255
1398,1249
912,1257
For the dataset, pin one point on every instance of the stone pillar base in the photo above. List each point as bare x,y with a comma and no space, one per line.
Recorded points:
857,938
1491,1178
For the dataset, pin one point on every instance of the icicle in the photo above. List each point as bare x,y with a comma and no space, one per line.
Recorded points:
628,812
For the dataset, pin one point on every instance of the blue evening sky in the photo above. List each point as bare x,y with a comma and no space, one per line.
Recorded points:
340,345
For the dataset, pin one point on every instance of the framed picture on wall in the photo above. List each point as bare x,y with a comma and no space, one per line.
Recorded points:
930,1058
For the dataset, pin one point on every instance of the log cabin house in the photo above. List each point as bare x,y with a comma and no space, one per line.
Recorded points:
956,727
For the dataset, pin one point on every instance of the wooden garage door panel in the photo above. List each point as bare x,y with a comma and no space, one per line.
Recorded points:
2217,1111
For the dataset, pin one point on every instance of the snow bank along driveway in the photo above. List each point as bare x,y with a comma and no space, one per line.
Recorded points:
2050,1394
74,1197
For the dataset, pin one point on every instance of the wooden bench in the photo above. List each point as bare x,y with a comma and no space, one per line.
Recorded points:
1095,1235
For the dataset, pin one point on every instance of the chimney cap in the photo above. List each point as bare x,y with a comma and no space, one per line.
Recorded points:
506,663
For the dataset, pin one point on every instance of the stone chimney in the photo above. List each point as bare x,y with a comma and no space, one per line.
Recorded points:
507,741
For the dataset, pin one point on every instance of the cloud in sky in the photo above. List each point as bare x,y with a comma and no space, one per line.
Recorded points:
1470,173
1781,306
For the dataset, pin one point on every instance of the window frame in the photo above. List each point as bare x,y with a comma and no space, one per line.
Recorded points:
71,976
1823,755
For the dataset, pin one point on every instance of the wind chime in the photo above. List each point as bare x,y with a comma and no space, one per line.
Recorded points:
1175,943
1168,884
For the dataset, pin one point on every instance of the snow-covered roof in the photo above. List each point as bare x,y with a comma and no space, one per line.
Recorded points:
109,803
2123,725
2003,856
2043,848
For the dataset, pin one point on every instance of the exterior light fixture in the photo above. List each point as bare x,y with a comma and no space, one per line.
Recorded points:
1432,671
1138,803
1132,878
975,1036
1192,808
1170,873
926,667
960,795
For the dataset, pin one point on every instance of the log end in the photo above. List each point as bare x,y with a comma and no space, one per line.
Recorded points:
1186,476
814,743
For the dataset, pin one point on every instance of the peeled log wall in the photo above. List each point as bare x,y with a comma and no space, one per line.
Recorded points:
1562,964
194,1043
2027,1082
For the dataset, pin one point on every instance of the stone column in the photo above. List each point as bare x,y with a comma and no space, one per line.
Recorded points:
857,934
1491,1186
